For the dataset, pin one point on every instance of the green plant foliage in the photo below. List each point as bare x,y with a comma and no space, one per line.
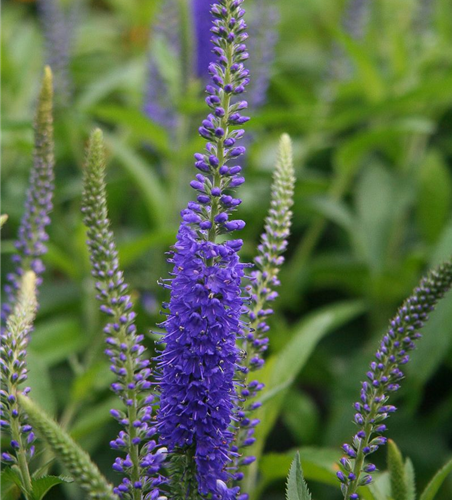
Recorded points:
397,473
297,488
435,484
75,459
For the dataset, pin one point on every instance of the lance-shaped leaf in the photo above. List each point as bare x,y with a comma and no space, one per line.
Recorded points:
76,460
397,473
435,484
296,488
42,485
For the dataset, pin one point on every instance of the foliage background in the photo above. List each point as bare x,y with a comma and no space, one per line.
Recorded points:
371,121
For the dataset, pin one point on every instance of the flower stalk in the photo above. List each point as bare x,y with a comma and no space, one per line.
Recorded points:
124,344
384,378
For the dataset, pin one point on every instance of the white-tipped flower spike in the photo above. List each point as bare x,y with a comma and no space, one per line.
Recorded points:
264,279
13,350
141,461
30,243
74,458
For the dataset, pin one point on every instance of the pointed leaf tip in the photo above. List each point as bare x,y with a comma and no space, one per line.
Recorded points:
435,484
399,483
296,488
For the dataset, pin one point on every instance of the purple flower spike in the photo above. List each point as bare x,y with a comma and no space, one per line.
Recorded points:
264,279
125,350
32,235
199,361
384,377
13,350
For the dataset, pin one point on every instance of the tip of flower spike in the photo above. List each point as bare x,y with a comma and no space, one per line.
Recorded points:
95,156
3,219
46,93
48,75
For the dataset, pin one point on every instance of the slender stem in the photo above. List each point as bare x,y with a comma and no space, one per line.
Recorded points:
225,103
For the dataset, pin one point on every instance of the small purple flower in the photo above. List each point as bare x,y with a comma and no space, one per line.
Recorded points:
384,376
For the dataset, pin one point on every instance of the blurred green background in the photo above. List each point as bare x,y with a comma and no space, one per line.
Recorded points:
371,121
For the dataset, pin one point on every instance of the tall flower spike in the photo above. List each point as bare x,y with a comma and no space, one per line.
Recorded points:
124,346
13,349
264,279
32,230
58,29
198,362
384,377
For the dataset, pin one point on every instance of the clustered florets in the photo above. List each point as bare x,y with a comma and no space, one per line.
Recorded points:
263,280
383,378
124,345
200,359
32,234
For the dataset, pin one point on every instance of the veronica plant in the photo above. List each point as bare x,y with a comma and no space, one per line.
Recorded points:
384,378
124,345
32,235
373,408
204,313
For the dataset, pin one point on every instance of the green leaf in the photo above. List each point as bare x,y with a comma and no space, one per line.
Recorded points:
297,489
410,479
435,195
144,177
435,484
43,484
396,467
10,484
139,124
299,407
56,339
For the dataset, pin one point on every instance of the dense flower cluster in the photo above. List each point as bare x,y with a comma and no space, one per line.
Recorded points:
124,344
384,378
32,235
200,357
13,349
198,362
